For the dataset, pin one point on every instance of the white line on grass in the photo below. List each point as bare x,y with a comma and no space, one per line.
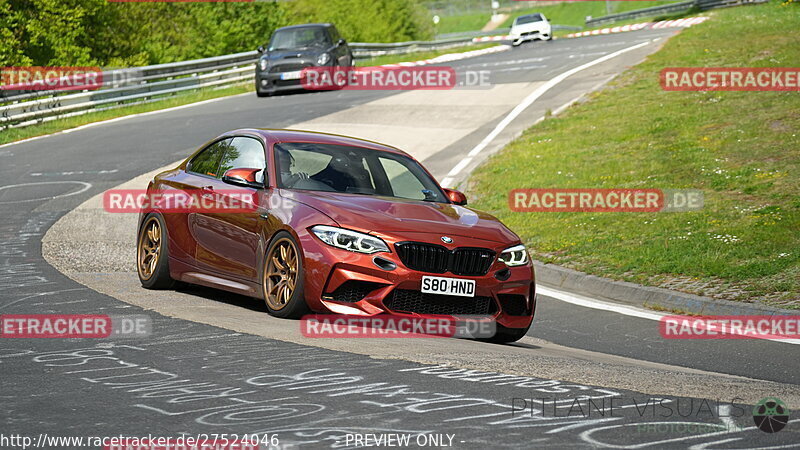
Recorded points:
524,104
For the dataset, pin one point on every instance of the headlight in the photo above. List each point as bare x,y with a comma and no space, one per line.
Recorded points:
323,59
349,240
262,64
515,256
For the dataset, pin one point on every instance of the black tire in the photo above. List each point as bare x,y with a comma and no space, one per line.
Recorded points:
153,277
296,306
505,335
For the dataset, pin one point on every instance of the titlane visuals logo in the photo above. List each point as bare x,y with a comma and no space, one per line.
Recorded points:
771,415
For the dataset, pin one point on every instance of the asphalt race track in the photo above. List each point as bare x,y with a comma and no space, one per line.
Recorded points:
216,363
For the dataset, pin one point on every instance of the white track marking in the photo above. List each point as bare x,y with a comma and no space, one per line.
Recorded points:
524,104
587,302
84,187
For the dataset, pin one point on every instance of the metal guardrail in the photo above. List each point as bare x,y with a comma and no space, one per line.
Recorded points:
672,8
123,87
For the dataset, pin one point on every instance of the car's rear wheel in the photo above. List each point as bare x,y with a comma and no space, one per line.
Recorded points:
283,278
152,254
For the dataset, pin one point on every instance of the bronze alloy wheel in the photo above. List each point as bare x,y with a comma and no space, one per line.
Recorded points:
149,249
280,275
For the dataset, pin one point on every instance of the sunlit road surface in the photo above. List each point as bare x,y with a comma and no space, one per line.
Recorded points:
217,363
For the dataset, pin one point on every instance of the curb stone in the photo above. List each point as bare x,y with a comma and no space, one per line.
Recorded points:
634,294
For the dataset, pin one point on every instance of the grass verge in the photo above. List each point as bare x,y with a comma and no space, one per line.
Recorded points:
565,13
574,13
741,148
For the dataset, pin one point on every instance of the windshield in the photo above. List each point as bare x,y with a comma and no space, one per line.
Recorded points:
528,19
295,38
353,170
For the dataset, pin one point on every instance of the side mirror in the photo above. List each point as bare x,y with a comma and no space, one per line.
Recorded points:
242,177
456,197
260,49
340,42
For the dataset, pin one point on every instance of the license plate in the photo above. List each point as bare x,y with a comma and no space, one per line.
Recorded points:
291,75
448,286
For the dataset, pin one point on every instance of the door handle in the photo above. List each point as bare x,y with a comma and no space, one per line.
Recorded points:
207,191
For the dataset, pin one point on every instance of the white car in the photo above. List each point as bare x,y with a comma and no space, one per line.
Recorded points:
530,27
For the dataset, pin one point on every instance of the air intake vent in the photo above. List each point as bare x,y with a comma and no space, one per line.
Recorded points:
402,300
353,291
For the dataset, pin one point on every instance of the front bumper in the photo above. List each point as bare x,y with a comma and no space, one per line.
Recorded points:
344,282
530,36
274,78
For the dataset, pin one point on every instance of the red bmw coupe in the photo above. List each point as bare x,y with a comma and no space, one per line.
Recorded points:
342,225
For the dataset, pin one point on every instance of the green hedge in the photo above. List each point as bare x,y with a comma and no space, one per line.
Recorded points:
98,32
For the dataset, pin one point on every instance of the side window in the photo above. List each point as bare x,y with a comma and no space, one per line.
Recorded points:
334,34
404,183
244,153
207,161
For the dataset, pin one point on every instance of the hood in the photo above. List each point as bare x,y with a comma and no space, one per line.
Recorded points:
386,215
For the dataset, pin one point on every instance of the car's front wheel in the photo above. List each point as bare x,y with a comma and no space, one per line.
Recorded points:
283,278
152,254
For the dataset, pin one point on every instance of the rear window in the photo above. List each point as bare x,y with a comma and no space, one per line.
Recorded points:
528,19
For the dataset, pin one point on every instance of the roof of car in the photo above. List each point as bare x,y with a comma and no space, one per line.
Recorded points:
280,135
304,25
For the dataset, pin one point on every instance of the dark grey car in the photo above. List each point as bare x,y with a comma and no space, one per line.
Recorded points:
292,49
